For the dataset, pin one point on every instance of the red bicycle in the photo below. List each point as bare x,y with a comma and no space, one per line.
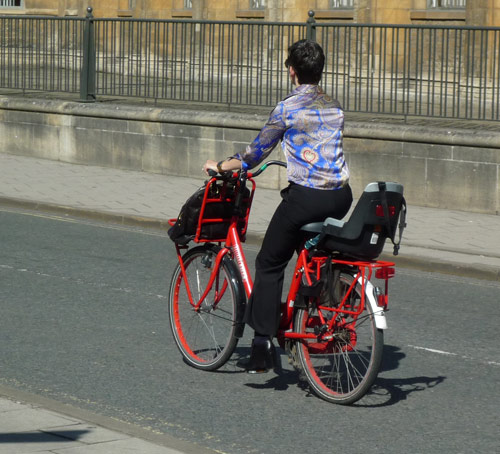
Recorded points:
333,319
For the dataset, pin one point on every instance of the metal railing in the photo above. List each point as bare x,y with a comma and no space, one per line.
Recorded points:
448,72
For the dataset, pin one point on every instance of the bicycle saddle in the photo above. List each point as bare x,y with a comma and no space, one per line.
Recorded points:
373,220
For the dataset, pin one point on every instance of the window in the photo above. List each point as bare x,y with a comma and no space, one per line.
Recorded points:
11,4
188,4
257,4
341,4
452,4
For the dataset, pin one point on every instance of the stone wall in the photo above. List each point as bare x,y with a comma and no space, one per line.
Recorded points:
439,166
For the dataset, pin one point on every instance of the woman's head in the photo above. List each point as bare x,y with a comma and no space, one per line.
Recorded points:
307,59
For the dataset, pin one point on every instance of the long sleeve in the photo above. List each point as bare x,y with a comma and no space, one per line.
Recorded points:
267,139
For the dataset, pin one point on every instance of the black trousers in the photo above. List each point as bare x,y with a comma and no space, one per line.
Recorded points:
300,205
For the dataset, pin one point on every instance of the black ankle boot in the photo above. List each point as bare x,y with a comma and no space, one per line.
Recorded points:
262,357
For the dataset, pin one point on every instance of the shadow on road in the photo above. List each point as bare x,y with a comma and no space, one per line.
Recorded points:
390,391
384,392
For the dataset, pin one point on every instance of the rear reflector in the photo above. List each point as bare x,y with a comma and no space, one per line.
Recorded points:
385,273
379,210
383,301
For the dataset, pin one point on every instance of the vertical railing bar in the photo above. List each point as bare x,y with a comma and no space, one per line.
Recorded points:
23,46
173,86
468,72
183,59
484,74
2,52
211,58
100,82
64,74
145,43
336,59
114,60
432,72
168,56
393,73
156,63
121,62
408,74
17,57
220,65
192,61
444,72
105,45
325,43
139,84
348,72
419,66
45,53
496,76
359,67
127,58
249,67
405,53
459,73
381,56
368,66
279,64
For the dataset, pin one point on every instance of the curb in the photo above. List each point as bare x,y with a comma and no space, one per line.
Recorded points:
411,261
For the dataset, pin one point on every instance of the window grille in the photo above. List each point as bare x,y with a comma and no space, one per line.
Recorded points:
452,4
341,4
257,4
11,4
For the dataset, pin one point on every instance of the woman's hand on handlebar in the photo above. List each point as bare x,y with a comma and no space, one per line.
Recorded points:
210,165
221,166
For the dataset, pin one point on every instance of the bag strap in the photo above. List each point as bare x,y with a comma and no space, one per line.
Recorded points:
402,217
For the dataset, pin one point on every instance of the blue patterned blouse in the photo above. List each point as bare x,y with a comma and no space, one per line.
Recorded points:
310,126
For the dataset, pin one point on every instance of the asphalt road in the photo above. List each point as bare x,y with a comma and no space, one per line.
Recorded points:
83,321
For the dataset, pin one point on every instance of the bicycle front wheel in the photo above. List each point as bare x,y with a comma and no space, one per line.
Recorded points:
342,363
206,335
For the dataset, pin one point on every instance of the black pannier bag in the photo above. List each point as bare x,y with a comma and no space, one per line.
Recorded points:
214,219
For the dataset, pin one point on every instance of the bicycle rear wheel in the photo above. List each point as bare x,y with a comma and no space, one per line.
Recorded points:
207,336
341,365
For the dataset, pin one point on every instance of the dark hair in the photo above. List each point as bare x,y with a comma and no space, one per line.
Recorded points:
307,59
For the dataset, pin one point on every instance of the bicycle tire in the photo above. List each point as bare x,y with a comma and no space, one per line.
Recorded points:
341,370
206,338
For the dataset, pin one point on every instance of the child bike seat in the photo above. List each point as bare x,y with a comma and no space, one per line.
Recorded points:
373,220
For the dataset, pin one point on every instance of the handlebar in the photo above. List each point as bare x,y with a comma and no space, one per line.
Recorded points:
243,173
265,166
242,176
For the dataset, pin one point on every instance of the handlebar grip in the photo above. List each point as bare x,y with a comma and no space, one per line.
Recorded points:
212,173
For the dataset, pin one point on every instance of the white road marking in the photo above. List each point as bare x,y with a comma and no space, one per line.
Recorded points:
442,352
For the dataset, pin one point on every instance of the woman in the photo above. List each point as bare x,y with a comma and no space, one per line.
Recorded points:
310,126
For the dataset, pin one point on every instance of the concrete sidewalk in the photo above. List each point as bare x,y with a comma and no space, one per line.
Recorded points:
435,240
31,423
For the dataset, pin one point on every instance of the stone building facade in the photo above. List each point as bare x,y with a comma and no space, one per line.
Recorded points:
439,12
